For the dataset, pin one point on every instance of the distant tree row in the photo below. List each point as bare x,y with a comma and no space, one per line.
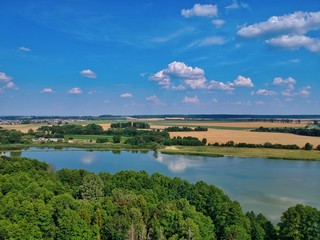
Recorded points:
185,129
90,129
307,146
138,125
315,132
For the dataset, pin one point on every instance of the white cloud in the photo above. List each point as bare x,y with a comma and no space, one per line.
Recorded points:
304,92
88,73
194,99
155,100
220,86
47,90
215,100
264,92
241,81
198,10
293,42
260,102
11,85
218,22
75,91
196,83
295,23
126,95
209,41
288,82
24,49
4,77
235,5
177,70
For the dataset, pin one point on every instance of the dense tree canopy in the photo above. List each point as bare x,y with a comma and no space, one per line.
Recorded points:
40,203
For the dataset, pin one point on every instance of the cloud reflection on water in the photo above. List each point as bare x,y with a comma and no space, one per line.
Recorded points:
180,163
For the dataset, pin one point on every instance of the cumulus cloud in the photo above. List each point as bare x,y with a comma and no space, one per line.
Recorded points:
264,92
288,82
198,10
11,85
304,92
126,95
196,83
88,73
220,86
155,100
24,49
47,90
75,91
241,81
194,99
4,77
177,70
293,42
218,22
295,23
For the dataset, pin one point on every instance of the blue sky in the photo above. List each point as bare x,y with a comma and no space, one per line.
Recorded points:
126,57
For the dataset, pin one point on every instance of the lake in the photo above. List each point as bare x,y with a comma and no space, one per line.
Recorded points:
262,185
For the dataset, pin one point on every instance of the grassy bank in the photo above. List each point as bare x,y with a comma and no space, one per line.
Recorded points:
245,152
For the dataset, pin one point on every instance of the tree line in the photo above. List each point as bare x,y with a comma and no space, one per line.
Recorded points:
314,132
38,202
185,129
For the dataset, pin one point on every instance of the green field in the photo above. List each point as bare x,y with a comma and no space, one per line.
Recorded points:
245,152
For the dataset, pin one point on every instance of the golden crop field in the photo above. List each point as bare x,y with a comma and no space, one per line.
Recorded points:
245,136
23,127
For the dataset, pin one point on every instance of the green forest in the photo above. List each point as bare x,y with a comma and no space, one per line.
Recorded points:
38,202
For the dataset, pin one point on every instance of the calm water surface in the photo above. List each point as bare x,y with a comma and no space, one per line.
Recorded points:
262,185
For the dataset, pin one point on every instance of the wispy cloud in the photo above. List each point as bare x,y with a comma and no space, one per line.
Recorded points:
24,49
174,35
193,100
155,100
209,41
264,92
198,10
218,22
236,5
47,90
75,91
126,95
88,73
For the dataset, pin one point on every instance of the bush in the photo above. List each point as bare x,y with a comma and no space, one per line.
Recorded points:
116,139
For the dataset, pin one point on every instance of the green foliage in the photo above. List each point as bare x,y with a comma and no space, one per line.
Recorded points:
300,222
185,129
315,132
37,203
61,130
10,136
136,125
102,140
308,146
116,139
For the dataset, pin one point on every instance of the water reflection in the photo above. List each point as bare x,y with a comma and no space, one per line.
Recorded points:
88,158
179,163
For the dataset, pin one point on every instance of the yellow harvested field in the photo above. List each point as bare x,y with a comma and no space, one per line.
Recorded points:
105,126
23,127
223,136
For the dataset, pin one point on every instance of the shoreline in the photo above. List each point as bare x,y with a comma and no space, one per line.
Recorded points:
209,151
